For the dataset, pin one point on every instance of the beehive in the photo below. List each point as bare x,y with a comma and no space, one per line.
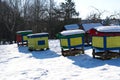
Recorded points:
105,38
21,37
38,41
71,39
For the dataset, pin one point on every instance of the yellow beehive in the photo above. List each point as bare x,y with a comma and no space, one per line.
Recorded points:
38,41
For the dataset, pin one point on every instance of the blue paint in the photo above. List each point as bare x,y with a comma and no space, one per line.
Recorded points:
82,40
115,48
69,46
41,42
105,43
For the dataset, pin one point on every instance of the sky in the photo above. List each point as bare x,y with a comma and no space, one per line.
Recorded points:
85,7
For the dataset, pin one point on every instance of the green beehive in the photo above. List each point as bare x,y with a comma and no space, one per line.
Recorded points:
71,39
21,37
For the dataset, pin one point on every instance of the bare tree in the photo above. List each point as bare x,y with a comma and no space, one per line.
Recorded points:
10,15
96,15
113,18
37,13
117,16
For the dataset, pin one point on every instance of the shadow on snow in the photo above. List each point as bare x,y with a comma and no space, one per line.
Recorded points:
82,60
23,49
87,61
38,54
44,54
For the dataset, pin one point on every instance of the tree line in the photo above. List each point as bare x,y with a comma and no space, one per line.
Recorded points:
42,16
36,15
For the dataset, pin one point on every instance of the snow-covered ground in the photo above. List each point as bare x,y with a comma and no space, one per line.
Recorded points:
20,64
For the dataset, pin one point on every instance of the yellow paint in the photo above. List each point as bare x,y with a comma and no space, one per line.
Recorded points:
97,42
25,38
73,41
33,43
64,42
113,41
76,41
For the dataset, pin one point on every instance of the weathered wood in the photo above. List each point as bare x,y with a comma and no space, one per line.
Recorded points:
105,55
72,52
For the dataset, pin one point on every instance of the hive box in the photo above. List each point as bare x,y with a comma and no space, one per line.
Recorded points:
106,38
71,40
38,41
21,37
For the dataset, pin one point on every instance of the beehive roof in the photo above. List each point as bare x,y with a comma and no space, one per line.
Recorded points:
89,26
71,27
72,32
108,28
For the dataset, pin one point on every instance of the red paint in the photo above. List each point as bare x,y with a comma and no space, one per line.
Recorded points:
94,32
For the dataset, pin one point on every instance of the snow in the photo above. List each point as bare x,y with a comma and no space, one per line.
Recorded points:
72,32
90,26
24,31
71,27
108,28
38,34
17,63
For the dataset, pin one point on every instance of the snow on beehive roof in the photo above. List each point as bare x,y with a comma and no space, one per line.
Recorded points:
108,28
90,26
24,31
71,27
72,32
36,34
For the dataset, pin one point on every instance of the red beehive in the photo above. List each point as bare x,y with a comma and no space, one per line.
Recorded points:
18,38
21,37
106,38
95,32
